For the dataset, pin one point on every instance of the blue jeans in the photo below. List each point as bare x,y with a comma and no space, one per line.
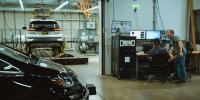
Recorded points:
180,67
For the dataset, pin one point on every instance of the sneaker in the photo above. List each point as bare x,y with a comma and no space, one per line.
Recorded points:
151,76
180,82
177,81
183,82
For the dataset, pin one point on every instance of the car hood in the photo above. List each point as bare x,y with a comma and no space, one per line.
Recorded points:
46,69
51,65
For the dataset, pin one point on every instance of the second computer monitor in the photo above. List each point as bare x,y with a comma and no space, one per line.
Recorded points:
138,34
152,34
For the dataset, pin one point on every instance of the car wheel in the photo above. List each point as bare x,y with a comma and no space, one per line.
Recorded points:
34,96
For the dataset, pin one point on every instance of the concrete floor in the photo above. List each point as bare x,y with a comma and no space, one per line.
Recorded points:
110,88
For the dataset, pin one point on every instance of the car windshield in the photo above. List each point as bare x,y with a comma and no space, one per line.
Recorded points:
43,25
13,54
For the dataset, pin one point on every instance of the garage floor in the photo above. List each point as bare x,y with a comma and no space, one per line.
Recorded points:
110,88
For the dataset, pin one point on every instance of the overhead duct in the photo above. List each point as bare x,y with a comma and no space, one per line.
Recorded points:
31,9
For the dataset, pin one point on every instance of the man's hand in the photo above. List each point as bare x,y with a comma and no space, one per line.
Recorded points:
171,57
180,49
180,54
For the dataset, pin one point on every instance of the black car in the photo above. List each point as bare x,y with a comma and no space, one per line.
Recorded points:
26,77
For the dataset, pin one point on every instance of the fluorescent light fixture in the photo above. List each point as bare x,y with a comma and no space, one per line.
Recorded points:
62,5
21,4
93,8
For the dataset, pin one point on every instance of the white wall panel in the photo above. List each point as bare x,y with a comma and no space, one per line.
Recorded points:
9,20
58,16
75,33
67,34
174,16
1,20
20,20
75,24
82,23
28,17
66,24
196,4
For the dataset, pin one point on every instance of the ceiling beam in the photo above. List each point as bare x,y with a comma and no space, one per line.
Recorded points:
37,5
31,10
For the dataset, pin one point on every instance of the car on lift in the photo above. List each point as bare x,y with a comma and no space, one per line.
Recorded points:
27,77
44,32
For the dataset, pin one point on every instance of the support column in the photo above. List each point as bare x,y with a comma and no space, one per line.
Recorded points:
192,21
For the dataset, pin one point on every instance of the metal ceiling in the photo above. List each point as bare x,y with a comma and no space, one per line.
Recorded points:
29,4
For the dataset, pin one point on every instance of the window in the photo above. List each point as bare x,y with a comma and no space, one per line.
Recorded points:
6,67
2,65
43,25
13,54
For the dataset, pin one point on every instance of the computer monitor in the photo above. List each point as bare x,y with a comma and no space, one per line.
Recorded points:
138,34
152,34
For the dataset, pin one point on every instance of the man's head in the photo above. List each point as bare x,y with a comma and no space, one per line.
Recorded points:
170,33
156,42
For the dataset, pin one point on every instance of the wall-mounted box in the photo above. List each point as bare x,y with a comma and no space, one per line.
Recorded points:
90,25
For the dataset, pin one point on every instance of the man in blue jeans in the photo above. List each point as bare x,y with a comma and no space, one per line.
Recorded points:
180,53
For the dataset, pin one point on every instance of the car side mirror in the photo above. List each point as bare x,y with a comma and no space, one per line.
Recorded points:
91,88
24,28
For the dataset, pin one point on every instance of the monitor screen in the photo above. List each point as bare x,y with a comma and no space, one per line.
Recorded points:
138,34
152,34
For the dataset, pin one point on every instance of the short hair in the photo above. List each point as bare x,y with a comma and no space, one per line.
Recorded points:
156,41
172,31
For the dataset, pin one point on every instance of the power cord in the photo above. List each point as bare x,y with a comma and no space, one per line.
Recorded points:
160,17
136,16
135,8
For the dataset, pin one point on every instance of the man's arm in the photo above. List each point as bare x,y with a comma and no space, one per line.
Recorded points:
179,44
180,48
171,57
151,52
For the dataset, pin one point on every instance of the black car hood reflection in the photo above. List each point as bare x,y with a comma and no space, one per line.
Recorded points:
51,65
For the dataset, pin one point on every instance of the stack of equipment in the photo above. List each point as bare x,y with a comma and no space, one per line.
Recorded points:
123,56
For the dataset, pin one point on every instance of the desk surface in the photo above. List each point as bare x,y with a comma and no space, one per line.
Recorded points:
195,52
141,53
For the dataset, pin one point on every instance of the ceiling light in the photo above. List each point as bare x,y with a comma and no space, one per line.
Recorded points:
93,8
21,4
62,5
